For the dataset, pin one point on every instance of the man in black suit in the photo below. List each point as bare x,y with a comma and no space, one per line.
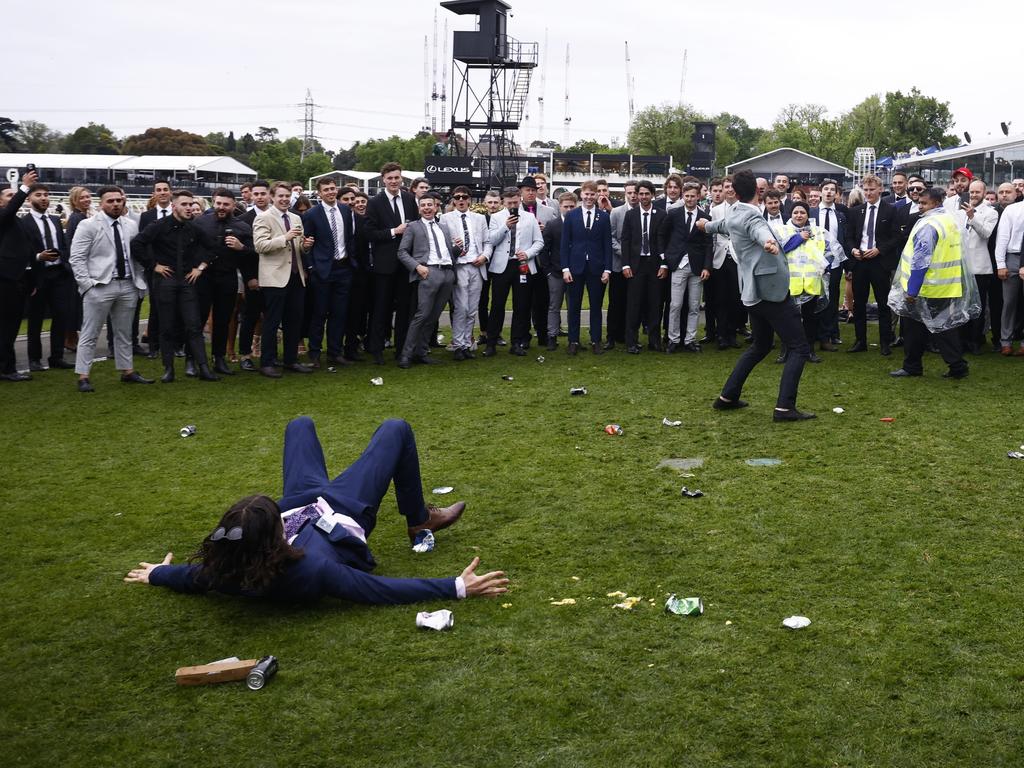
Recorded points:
162,209
643,267
689,258
52,284
387,216
360,307
249,267
15,253
549,263
830,215
872,243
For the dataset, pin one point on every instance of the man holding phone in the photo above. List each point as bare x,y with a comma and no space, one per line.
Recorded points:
961,182
14,259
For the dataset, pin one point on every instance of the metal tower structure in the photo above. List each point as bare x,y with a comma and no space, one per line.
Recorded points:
308,140
444,78
433,90
682,81
863,162
543,89
491,74
426,85
567,120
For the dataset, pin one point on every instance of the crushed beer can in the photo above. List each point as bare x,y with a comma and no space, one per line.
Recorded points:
188,430
423,542
578,391
684,606
670,423
696,493
262,673
1015,454
540,359
377,381
508,378
438,620
613,429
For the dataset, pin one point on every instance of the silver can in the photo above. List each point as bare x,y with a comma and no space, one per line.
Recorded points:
262,673
188,430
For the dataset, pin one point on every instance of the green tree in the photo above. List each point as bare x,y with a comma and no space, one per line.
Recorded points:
230,143
345,159
278,159
409,153
588,147
33,136
916,120
166,141
8,133
664,130
216,141
92,139
739,130
265,135
538,144
808,128
247,145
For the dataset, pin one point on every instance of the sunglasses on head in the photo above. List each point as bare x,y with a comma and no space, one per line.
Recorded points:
460,197
235,534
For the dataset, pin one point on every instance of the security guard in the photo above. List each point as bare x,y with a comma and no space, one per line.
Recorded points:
929,289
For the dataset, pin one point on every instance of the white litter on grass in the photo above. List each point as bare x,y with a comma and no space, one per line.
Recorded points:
669,423
796,622
628,604
616,594
837,409
565,601
443,490
435,620
377,381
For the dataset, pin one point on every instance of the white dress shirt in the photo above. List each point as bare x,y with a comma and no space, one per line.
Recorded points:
867,221
339,224
435,238
1011,233
43,223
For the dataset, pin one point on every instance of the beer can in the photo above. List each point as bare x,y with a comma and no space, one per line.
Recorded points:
188,430
684,606
261,674
439,620
613,429
578,391
424,542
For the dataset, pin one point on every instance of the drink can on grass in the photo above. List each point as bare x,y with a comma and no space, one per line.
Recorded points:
684,606
188,430
262,673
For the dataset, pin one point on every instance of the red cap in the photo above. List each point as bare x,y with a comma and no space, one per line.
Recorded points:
964,172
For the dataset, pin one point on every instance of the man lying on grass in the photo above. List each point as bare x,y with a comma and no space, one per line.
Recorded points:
318,545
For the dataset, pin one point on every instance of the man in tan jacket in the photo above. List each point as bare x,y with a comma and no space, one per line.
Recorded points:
278,238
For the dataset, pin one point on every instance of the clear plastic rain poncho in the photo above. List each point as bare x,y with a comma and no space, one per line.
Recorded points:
833,256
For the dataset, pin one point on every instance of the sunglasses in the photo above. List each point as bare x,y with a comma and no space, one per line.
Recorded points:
460,197
915,189
235,534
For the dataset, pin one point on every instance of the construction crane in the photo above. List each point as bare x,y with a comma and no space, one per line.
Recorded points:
682,80
565,139
444,79
426,85
630,85
543,83
433,90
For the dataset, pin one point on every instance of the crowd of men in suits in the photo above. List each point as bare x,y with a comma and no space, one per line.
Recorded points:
353,275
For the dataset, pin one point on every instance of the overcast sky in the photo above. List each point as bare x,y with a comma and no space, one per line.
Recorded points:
238,65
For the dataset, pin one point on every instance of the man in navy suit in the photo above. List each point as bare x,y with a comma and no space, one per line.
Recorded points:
330,270
586,253
830,216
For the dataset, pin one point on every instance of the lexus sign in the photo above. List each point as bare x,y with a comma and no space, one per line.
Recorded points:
448,170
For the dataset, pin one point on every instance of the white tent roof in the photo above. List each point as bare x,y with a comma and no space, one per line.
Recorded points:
208,163
979,147
19,159
788,159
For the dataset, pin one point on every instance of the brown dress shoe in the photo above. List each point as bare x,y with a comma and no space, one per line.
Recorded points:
1006,350
439,517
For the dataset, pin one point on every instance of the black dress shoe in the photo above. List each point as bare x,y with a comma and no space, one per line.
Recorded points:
597,349
552,344
792,414
36,366
828,346
885,349
298,368
153,354
248,365
705,340
693,346
518,350
572,349
404,362
190,367
860,346
179,353
502,342
168,376
378,358
16,376
470,354
135,378
836,340
955,375
270,372
728,405
344,362
61,364
459,355
813,358
353,357
427,360
84,385
220,365
898,341
609,344
205,374
672,348
781,358
902,373
633,349
654,346
490,351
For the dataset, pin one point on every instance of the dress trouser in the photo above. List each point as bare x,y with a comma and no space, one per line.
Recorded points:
251,311
539,300
56,291
357,324
916,337
12,306
974,331
828,327
766,319
392,293
589,278
501,284
685,284
1011,297
115,300
643,292
871,275
995,308
283,308
483,310
330,306
469,283
390,456
556,295
432,293
727,305
617,300
177,299
153,326
217,291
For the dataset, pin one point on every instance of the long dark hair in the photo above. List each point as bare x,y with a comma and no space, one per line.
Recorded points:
253,561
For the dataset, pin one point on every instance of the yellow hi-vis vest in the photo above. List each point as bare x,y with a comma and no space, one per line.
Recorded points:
807,263
944,278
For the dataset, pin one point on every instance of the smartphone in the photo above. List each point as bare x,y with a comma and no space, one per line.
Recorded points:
965,198
513,212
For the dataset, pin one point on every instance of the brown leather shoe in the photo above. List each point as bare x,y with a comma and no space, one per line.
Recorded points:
1006,350
439,517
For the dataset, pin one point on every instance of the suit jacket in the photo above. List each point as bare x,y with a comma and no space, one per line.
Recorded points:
678,242
618,216
528,239
904,223
15,252
94,256
543,213
762,276
268,232
631,238
478,233
148,217
720,247
318,226
417,247
40,269
840,216
580,246
886,233
549,260
380,220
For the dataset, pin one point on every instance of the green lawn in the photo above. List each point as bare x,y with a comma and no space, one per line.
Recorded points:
901,542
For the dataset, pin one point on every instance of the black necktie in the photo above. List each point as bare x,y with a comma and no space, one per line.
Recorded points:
828,219
689,221
588,220
871,228
645,237
119,249
287,228
394,204
437,243
47,237
163,212
465,235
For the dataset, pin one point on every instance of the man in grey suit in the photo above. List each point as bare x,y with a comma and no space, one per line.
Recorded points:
617,284
764,290
111,282
427,252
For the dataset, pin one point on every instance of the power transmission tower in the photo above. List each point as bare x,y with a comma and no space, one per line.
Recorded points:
630,86
308,141
426,85
568,119
543,88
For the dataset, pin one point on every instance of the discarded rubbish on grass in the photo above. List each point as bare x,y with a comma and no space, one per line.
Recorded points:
439,620
540,359
684,606
188,430
628,604
1015,455
796,622
681,464
262,673
763,462
565,601
613,429
578,391
227,671
669,423
617,594
696,493
508,378
377,381
424,542
837,409
887,419
331,369
442,490
575,578
506,605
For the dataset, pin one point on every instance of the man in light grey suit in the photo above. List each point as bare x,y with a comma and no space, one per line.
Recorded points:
427,252
111,282
764,290
468,231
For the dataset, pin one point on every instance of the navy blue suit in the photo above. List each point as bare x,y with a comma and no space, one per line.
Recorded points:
587,254
330,278
336,564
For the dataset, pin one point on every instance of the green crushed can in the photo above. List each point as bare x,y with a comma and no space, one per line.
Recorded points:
684,606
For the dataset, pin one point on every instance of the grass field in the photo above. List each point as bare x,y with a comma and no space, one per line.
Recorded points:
901,542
